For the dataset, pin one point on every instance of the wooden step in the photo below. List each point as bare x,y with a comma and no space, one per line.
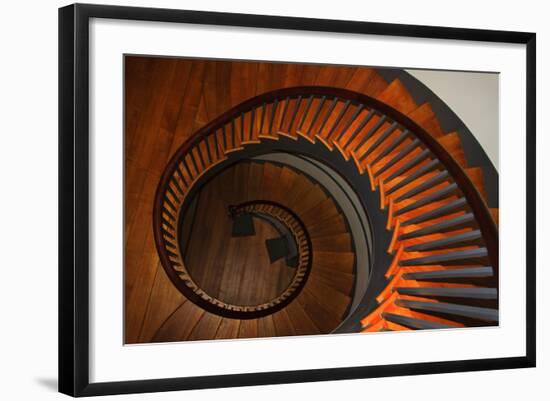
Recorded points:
476,176
333,243
425,117
228,328
327,227
255,177
248,328
270,180
180,324
241,183
453,145
397,96
300,189
286,181
311,200
331,299
283,324
335,261
302,323
206,328
339,281
367,81
266,327
325,320
325,210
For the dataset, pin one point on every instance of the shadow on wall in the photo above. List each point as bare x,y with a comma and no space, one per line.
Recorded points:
49,383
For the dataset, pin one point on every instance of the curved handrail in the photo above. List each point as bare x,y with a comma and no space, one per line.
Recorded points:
473,197
301,237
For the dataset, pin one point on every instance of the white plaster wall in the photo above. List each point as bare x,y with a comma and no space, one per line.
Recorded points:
474,98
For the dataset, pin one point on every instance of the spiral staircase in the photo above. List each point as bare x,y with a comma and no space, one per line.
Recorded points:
433,239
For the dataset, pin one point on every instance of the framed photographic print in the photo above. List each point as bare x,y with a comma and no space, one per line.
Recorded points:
251,189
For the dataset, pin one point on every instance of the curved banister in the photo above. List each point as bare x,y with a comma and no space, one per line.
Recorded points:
475,202
304,257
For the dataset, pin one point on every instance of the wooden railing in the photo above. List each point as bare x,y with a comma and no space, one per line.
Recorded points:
290,113
189,287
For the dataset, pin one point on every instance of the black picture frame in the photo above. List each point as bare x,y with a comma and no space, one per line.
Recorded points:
74,198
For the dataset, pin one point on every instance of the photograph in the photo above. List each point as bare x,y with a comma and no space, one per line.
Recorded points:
275,199
254,199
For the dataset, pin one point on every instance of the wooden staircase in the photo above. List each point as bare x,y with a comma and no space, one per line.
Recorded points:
444,247
321,304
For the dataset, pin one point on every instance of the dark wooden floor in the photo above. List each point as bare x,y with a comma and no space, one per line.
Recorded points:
235,270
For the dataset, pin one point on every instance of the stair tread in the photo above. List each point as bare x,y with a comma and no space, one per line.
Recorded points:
334,225
302,323
425,117
248,328
337,261
325,320
332,243
228,328
325,210
270,180
330,298
180,324
397,96
266,327
367,81
453,145
283,324
339,281
255,177
206,328
476,176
